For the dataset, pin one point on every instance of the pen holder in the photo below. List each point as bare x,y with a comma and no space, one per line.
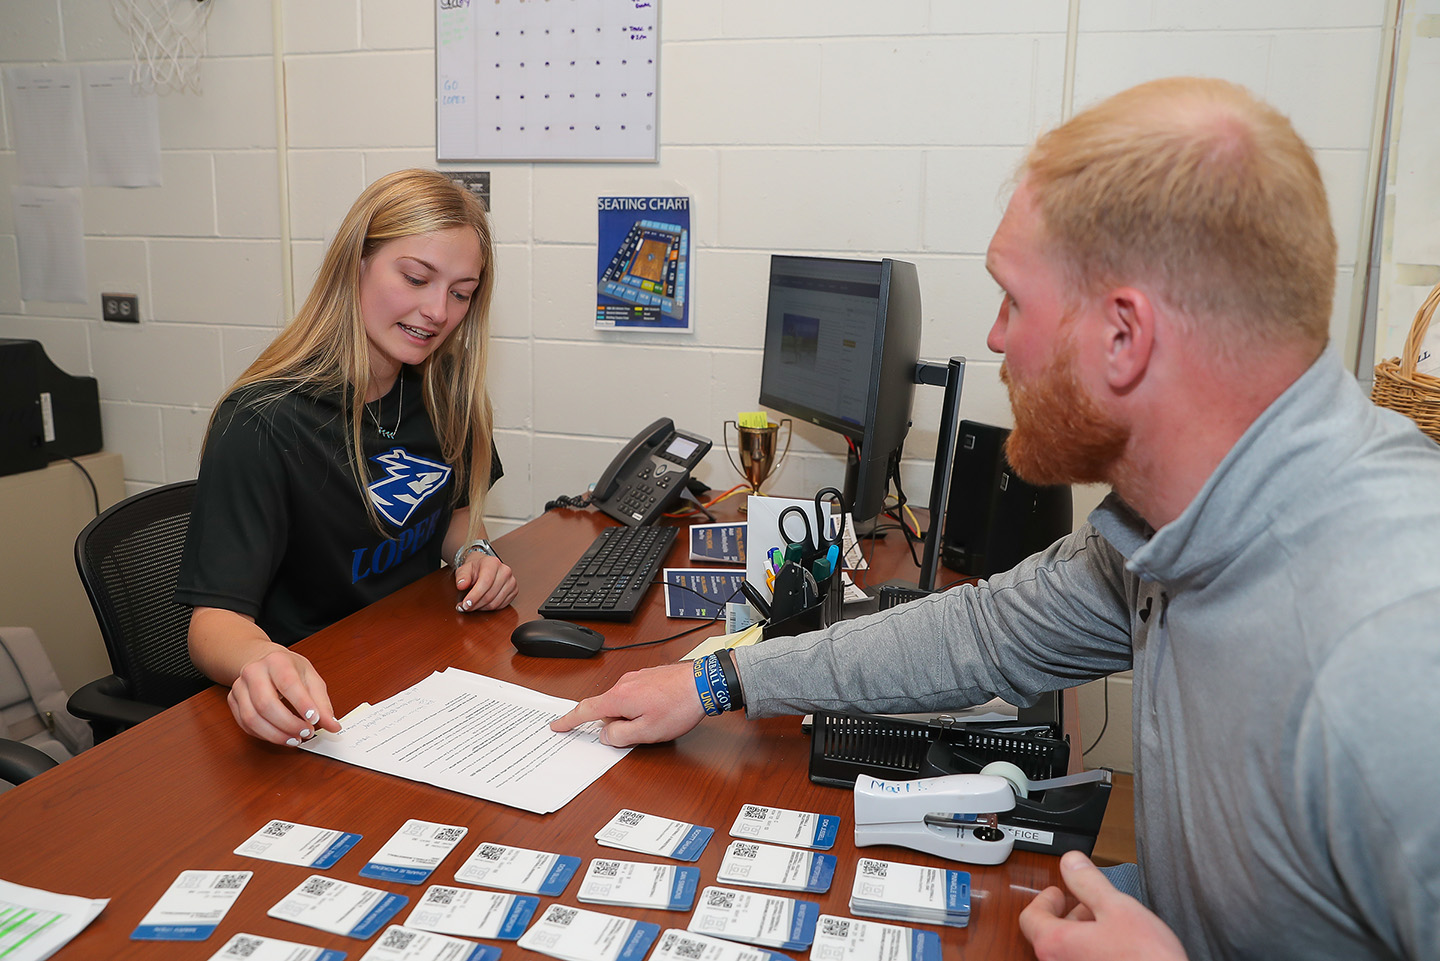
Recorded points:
817,616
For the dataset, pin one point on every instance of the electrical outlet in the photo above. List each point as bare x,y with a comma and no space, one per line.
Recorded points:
124,308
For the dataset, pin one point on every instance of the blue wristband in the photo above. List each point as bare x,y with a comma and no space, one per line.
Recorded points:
710,686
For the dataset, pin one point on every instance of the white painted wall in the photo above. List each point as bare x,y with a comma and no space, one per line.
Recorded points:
843,127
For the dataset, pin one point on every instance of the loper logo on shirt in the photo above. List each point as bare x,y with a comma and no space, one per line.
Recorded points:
409,481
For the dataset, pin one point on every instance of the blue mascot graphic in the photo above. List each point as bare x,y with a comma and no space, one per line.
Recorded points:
408,482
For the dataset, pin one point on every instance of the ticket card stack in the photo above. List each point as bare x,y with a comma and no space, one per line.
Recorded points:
846,939
771,922
518,869
650,834
632,885
908,892
574,934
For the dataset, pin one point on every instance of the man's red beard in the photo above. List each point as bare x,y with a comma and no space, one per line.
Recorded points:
1061,436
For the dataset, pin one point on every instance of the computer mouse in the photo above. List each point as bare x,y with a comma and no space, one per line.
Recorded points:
544,638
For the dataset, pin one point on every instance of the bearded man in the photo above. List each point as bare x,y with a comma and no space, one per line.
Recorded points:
1268,563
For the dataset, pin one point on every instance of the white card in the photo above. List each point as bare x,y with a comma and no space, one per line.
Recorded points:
290,843
192,907
677,945
846,939
629,884
518,869
472,914
650,834
338,906
764,919
413,852
252,947
574,934
411,944
771,866
756,822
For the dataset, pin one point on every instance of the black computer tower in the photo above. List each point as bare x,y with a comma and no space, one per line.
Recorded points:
993,519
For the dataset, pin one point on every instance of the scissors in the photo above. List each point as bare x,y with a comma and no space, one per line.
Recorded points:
813,547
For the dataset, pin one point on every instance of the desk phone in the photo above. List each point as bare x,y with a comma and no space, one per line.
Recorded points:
649,473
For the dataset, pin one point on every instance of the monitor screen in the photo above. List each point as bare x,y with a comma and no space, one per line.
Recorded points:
842,338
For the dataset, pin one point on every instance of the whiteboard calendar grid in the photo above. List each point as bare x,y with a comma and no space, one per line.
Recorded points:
536,80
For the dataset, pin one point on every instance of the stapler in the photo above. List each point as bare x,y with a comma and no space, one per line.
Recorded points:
955,816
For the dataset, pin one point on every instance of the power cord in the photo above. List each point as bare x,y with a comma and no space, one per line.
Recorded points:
703,624
565,500
95,494
1105,686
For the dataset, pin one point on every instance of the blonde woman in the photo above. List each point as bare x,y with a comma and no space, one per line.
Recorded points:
352,456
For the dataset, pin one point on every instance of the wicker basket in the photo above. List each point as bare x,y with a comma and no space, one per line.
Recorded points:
1399,386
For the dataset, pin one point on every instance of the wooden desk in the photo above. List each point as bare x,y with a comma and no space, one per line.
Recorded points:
183,790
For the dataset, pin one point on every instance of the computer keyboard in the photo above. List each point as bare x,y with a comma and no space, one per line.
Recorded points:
611,577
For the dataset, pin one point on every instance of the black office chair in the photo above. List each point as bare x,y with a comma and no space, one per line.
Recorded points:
129,561
19,762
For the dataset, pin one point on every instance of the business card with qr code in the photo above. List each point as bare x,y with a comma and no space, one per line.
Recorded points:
252,947
771,866
191,908
291,843
339,907
518,869
800,829
630,884
413,852
472,914
400,943
575,934
650,834
846,939
763,919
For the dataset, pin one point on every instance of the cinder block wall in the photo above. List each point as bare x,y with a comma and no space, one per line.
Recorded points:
838,127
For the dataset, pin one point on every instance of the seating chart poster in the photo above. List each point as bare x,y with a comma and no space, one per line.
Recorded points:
643,269
529,81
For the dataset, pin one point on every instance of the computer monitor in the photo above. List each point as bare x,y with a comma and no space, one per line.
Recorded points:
842,338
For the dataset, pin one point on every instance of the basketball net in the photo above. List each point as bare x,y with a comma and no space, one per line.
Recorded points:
167,38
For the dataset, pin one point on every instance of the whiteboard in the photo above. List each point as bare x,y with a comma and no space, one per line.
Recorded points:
546,80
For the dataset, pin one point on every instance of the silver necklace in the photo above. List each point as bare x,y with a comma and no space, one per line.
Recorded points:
388,434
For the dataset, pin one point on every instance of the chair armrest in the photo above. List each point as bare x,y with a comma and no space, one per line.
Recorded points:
20,762
106,700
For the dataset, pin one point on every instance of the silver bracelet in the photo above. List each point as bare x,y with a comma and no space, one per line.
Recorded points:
481,545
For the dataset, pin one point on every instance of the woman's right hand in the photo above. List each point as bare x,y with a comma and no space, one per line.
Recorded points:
279,698
275,694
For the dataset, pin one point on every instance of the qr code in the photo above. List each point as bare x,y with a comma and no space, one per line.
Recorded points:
874,869
491,852
243,946
449,834
606,869
629,818
317,886
439,895
720,899
742,850
230,882
276,829
754,812
835,927
397,939
687,948
560,915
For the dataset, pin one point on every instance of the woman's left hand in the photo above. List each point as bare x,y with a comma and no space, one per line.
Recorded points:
487,583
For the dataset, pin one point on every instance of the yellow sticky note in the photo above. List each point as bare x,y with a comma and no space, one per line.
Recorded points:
753,419
753,634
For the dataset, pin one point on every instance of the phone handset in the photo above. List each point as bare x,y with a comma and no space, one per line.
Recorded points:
649,473
647,438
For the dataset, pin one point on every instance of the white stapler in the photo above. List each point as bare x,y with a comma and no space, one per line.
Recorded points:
952,816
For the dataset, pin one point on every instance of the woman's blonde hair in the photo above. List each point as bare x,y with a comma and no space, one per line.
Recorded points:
325,346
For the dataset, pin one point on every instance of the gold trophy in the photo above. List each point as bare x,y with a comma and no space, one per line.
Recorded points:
757,446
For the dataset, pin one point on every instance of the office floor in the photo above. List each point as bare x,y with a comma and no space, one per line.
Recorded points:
1116,843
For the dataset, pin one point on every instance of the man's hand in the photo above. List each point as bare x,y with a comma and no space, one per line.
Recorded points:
656,704
487,582
279,698
1106,925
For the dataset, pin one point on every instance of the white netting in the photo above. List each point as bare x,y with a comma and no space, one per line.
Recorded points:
167,38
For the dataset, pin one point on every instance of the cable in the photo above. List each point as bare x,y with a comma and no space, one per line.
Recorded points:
93,492
703,624
1105,681
565,500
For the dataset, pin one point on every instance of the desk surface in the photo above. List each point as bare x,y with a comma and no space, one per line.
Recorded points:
183,790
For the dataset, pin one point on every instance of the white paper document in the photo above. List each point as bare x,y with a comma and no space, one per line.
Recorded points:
47,118
34,924
50,237
476,735
122,128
